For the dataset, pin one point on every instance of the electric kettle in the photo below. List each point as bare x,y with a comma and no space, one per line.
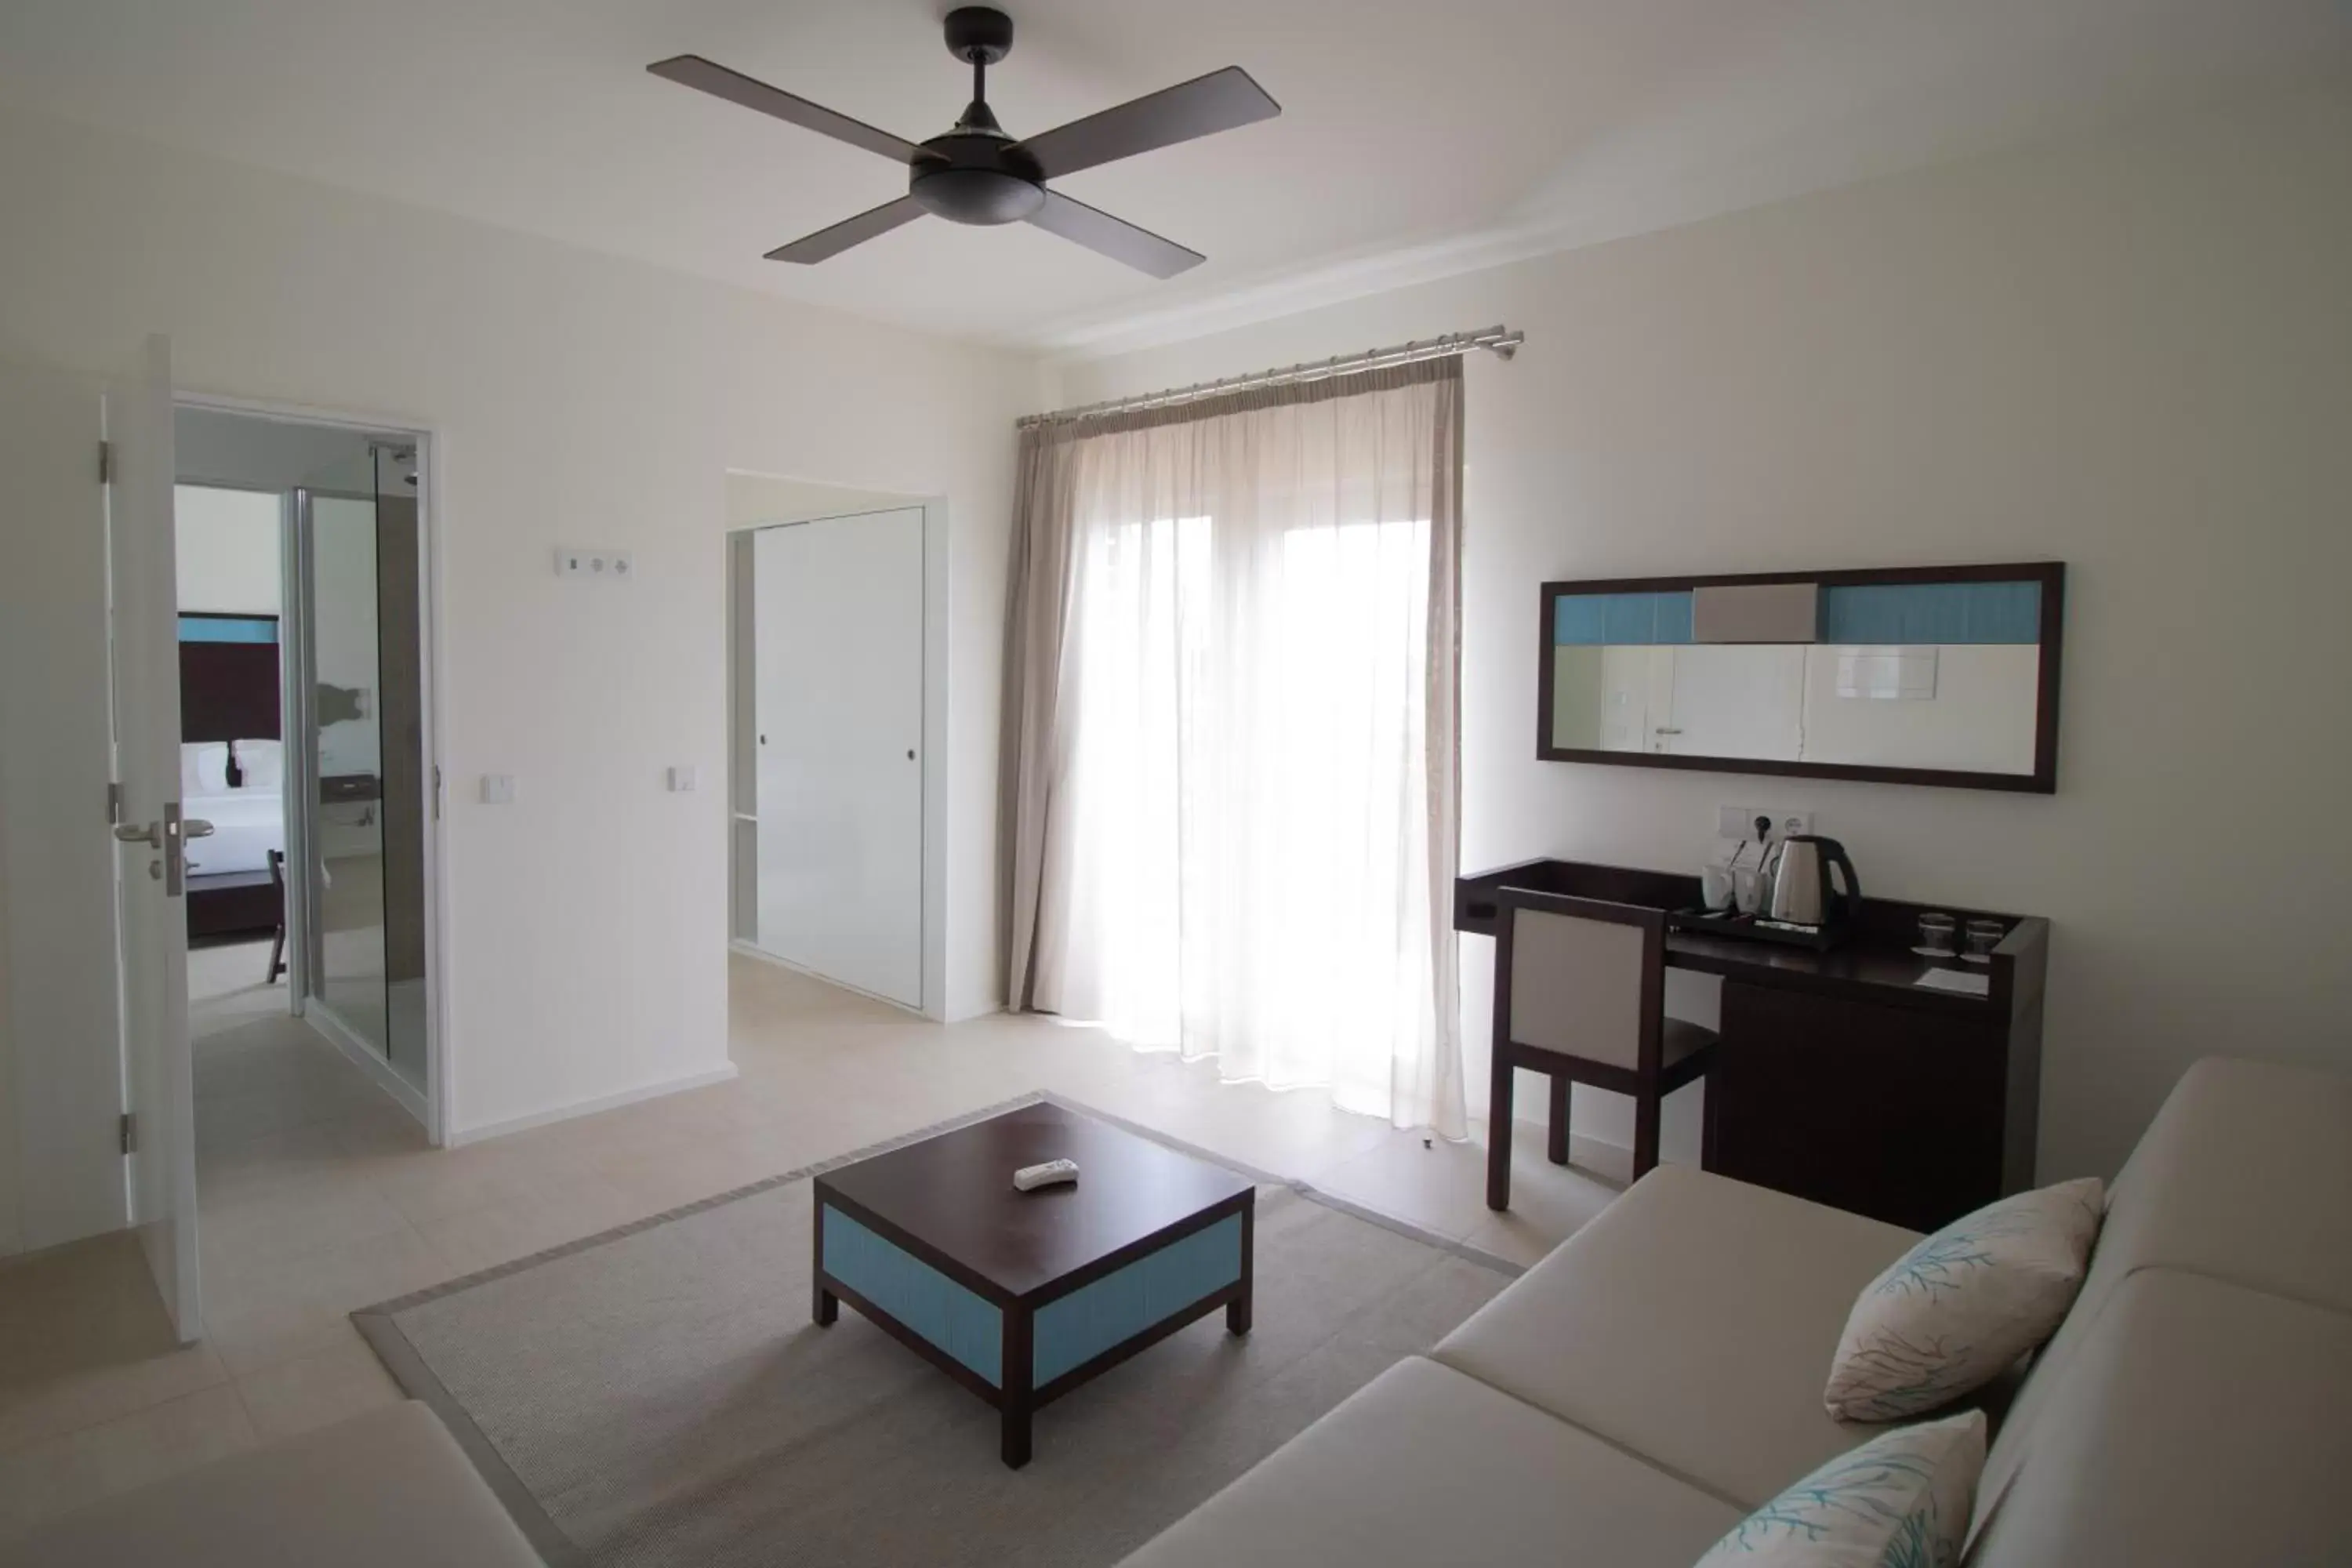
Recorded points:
1803,892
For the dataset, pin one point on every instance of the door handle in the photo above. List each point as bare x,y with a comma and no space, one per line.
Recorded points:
131,833
195,828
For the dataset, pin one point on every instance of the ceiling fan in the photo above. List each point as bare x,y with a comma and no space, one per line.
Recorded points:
976,173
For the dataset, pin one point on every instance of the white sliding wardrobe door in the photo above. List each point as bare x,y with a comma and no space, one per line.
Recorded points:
838,705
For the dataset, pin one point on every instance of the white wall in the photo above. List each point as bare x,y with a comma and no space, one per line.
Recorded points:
228,550
2132,352
577,399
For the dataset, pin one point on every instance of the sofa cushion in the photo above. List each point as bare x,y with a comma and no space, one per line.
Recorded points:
1956,1311
1425,1466
1901,1498
388,1488
2200,1423
1691,1323
2246,1175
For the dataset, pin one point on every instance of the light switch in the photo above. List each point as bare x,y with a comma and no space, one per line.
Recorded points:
682,780
498,789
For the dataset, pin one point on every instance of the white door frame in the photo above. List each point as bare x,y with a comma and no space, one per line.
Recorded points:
935,732
429,443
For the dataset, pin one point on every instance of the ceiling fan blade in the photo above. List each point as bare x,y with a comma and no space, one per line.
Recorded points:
1115,238
1202,107
708,76
849,231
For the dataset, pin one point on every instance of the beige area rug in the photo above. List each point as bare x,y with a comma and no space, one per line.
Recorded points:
657,1394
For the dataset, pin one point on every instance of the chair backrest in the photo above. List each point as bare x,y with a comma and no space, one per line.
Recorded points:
1587,978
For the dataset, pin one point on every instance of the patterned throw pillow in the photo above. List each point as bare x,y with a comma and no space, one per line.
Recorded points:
1957,1310
1900,1501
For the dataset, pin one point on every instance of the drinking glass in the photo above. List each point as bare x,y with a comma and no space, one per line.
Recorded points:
1935,936
1983,936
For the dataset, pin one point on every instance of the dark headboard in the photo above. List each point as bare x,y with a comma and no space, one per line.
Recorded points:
228,676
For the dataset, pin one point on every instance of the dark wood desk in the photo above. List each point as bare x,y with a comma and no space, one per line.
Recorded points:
1842,1079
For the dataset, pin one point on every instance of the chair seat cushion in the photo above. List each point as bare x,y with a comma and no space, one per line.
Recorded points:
1425,1465
1680,1038
1693,1323
388,1488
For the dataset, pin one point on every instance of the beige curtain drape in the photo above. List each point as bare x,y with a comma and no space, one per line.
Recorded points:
1231,746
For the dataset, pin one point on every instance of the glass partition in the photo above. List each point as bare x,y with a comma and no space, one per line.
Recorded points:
336,512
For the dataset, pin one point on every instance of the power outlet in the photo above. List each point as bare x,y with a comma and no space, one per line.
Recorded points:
1737,822
592,561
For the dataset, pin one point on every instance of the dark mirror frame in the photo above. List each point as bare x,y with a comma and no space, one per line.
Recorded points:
2043,780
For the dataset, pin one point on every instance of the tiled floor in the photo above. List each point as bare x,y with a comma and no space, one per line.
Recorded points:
318,1196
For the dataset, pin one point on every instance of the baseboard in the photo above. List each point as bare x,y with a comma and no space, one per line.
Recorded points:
369,1060
488,1130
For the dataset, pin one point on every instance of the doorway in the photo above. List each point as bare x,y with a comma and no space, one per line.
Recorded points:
837,674
303,692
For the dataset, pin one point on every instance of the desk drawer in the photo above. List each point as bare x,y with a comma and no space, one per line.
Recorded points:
1886,1111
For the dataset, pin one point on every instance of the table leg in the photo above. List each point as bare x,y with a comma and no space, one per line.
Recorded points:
824,1307
1237,1311
1014,1444
1017,1369
1556,1135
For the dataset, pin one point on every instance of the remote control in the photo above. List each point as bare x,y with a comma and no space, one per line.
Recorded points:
1029,1178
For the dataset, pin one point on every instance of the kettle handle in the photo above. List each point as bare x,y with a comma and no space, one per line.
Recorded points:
1850,899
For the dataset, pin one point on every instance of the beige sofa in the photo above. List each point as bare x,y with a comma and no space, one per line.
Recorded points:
1661,1373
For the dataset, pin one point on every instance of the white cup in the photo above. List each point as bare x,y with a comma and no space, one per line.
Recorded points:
1748,888
1715,887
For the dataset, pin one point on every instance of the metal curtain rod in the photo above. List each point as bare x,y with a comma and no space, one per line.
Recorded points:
1501,341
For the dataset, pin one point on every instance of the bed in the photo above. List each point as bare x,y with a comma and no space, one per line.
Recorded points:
247,824
230,770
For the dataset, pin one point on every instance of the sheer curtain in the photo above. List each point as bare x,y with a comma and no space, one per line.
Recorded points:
1232,734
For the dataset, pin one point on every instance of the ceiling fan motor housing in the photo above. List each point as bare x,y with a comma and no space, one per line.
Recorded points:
976,178
975,173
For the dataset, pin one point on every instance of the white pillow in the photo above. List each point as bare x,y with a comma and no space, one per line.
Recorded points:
204,768
263,763
1902,1497
1957,1310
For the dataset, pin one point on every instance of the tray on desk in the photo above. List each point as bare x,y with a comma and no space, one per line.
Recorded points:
1753,928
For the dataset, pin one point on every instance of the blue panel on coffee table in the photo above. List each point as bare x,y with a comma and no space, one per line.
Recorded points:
1116,1308
918,1295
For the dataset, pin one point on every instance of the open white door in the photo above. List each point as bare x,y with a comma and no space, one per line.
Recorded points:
837,703
61,1170
151,861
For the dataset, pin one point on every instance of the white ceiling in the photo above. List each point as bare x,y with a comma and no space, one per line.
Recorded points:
1415,139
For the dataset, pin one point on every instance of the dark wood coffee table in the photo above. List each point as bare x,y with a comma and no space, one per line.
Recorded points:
1021,1297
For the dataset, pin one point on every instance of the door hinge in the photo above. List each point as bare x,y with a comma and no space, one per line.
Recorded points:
113,803
106,462
436,792
129,1132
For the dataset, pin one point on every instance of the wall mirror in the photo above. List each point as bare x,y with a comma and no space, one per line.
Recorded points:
1943,675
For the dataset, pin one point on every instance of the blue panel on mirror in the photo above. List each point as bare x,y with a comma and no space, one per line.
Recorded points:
1621,620
1888,613
228,628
